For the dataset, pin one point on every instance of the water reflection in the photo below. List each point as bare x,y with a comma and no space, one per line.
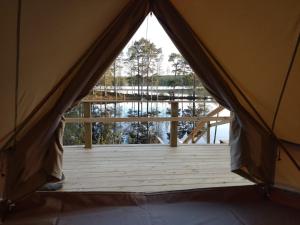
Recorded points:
141,132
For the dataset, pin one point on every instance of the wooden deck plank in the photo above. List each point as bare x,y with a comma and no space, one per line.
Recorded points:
148,168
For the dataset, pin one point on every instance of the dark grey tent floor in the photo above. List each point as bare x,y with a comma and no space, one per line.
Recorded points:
232,206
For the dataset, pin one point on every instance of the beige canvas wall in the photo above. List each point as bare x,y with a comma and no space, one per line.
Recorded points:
286,175
8,25
53,36
254,42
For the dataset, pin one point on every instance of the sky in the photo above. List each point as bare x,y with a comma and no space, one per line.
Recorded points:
158,36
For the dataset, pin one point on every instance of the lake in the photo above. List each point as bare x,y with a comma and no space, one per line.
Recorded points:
125,133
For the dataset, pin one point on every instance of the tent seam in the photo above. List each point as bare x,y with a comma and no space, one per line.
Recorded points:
18,39
287,76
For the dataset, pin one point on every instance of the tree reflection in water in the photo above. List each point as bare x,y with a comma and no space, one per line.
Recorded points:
129,133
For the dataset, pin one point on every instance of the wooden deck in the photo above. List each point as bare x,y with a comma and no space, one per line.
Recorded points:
148,168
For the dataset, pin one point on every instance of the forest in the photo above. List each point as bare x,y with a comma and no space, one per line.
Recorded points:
138,66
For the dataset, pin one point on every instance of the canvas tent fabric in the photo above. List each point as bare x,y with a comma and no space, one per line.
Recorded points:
257,46
245,53
34,138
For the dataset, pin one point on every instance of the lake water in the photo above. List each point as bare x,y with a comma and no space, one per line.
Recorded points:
161,129
180,91
125,132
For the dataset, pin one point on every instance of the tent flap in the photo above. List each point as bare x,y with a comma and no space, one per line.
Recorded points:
249,139
116,32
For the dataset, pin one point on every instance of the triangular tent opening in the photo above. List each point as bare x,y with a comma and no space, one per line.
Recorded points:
144,82
146,76
246,54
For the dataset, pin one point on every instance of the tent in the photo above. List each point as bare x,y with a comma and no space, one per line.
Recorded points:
245,52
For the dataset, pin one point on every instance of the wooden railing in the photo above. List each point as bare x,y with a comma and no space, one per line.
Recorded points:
200,127
203,123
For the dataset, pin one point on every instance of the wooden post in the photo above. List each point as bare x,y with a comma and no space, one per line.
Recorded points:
174,124
193,139
87,126
208,133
